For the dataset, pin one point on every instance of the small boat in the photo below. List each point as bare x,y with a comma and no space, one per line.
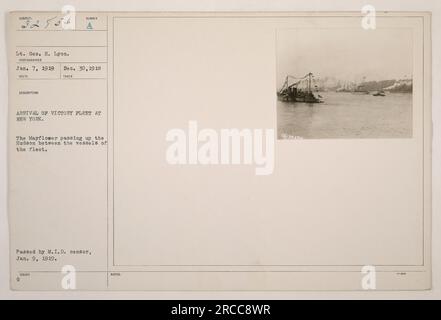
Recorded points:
379,94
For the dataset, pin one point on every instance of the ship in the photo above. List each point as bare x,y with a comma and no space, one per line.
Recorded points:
379,94
346,87
301,90
354,88
360,88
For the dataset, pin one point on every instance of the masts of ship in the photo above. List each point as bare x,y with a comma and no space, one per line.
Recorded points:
299,91
309,82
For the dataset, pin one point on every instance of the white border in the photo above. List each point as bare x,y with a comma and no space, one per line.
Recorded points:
229,5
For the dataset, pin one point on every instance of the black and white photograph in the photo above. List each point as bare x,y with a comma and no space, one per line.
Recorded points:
344,83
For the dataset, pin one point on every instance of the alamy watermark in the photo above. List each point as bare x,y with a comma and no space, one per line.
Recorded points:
69,280
223,147
69,17
369,19
369,278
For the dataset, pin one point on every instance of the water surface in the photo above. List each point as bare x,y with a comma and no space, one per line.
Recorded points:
347,115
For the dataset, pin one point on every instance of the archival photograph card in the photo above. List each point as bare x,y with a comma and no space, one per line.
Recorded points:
219,151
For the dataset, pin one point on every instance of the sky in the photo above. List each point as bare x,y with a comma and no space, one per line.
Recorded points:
346,54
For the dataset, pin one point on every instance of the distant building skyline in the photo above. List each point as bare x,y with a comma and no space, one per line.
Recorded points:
351,55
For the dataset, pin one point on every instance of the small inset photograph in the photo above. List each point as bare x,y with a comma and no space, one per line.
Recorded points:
344,83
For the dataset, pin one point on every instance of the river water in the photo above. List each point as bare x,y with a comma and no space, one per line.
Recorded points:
347,115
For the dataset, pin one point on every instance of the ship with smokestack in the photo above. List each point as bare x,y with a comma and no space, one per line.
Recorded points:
299,89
